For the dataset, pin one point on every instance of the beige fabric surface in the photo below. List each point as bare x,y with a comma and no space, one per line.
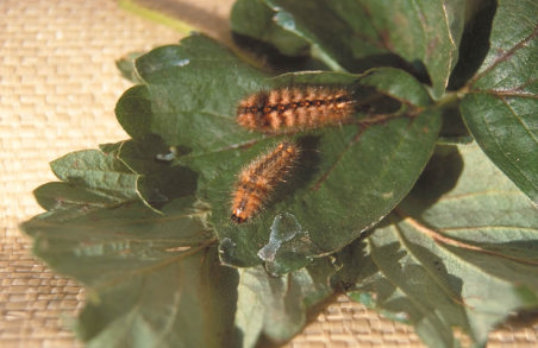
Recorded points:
58,88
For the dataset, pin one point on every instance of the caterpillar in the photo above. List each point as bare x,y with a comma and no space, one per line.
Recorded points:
257,181
295,108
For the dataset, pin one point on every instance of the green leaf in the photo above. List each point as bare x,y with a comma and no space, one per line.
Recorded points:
97,171
188,301
459,251
500,107
93,181
61,195
96,244
355,35
360,171
277,307
150,277
128,171
110,148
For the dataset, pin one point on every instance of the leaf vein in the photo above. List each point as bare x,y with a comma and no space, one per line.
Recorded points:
517,117
449,292
446,240
505,56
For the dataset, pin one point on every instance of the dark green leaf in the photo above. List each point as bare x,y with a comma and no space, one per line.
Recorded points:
193,89
459,251
158,182
260,25
133,110
474,43
453,130
500,108
356,35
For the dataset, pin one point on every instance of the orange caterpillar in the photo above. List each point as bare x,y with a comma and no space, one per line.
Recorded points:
257,181
295,108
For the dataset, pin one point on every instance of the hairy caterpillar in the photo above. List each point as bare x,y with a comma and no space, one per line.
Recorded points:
257,181
295,108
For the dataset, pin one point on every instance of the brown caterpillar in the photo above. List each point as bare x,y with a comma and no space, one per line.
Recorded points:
295,108
257,181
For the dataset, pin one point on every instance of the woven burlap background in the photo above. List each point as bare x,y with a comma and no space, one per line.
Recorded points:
58,88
